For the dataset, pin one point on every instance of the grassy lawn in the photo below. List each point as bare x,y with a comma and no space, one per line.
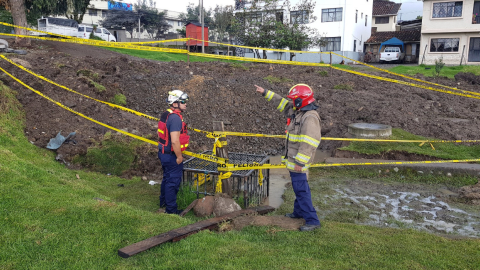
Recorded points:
428,71
52,219
165,57
442,150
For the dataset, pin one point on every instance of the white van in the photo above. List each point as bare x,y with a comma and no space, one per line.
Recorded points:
59,26
85,30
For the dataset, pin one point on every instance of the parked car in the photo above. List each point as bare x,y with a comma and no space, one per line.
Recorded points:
58,26
85,30
392,54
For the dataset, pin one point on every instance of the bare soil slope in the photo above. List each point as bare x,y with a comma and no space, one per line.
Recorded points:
219,92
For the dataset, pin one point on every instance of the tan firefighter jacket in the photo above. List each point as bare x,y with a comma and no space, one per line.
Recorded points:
303,133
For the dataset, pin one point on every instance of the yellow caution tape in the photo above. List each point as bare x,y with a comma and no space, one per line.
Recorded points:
260,178
242,167
247,59
408,77
92,42
406,83
201,156
218,188
258,48
200,179
219,134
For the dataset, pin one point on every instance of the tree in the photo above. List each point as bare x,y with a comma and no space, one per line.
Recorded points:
121,19
193,14
19,18
419,17
223,17
265,25
151,19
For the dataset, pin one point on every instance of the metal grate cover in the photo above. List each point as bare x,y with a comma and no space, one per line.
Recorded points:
200,165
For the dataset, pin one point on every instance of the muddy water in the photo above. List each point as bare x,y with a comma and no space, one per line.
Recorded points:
420,207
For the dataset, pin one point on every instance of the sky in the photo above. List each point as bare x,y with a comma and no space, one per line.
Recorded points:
409,11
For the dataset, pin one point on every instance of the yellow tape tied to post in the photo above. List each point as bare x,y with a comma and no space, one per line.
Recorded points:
218,188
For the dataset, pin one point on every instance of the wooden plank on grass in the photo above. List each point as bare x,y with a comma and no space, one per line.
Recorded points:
180,233
184,212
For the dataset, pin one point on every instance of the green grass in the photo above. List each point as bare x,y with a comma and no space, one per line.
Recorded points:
165,57
442,150
428,71
50,219
343,86
119,99
273,79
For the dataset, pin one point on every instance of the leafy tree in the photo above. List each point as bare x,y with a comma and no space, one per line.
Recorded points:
121,19
5,16
223,17
151,20
419,17
193,14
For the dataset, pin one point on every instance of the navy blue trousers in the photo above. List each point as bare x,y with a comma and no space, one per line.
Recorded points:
303,206
172,177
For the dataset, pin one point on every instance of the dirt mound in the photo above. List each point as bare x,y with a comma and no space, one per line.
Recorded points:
471,193
219,92
467,77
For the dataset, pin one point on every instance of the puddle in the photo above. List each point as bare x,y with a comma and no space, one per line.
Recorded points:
400,206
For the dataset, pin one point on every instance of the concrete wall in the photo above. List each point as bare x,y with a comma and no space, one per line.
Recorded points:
450,27
311,58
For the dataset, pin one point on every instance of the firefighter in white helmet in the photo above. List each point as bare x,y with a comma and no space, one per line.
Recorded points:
172,140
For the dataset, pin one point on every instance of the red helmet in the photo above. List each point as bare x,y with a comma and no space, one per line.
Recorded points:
301,95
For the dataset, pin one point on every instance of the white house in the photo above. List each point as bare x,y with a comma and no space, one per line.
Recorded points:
345,23
97,10
385,15
451,31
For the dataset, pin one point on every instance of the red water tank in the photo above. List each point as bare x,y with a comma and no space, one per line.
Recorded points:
194,30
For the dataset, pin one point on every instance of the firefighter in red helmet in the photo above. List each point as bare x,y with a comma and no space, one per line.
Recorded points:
172,140
303,138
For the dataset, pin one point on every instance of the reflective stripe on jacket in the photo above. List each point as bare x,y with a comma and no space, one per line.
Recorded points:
303,132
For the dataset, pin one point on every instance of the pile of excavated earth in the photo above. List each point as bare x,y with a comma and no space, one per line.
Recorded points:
219,91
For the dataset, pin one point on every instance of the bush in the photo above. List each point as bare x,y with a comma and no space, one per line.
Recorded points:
115,154
343,86
119,99
439,64
323,73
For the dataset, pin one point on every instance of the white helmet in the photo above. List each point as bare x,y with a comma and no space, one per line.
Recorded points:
175,96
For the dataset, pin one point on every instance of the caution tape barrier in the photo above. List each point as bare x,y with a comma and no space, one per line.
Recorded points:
408,77
259,60
82,41
258,48
406,83
201,156
242,167
219,134
222,164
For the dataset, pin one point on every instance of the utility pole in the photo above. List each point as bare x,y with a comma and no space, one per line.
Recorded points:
139,28
203,25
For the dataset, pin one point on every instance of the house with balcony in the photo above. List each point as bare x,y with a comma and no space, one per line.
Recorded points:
451,31
384,15
346,24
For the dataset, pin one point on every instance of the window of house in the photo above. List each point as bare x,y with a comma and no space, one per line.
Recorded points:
382,20
254,17
356,16
92,12
332,15
104,13
447,9
279,16
366,20
299,17
179,23
444,44
333,44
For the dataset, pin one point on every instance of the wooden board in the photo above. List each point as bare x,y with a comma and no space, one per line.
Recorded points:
180,233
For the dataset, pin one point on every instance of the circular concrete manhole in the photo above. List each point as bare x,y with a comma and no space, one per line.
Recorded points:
366,130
